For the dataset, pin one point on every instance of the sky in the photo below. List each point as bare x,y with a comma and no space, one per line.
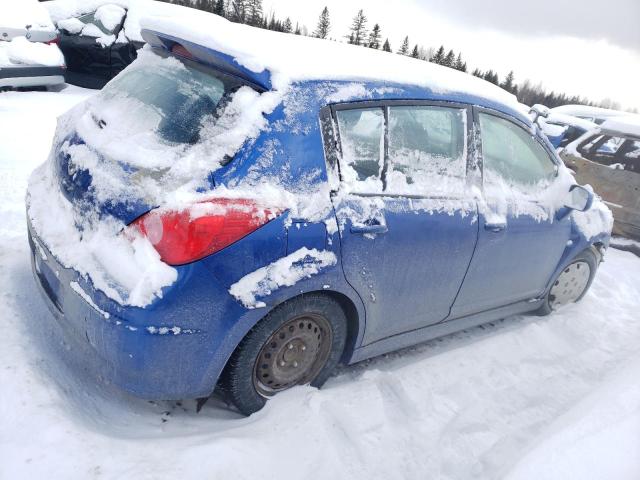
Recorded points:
579,47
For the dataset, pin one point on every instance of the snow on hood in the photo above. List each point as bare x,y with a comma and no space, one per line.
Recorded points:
20,51
291,58
20,13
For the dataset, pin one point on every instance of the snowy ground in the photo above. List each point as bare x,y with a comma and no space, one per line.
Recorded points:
525,398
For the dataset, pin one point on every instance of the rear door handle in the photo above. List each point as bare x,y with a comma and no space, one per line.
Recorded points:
495,227
374,229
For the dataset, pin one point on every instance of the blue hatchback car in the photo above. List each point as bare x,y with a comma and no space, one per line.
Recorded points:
347,219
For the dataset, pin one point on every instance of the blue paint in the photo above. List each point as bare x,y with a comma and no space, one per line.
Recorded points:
410,275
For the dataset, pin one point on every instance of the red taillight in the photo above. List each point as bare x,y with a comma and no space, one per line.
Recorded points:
188,235
55,41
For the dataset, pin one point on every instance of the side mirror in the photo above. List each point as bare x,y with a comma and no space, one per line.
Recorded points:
538,111
579,198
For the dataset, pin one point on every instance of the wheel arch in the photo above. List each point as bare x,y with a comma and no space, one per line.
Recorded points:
355,324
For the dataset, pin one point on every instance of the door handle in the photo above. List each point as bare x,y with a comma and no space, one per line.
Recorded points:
372,229
495,227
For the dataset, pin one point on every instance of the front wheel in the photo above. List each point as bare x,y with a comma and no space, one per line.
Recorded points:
572,283
299,343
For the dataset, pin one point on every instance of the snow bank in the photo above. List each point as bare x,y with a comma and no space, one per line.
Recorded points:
596,439
292,58
284,272
20,51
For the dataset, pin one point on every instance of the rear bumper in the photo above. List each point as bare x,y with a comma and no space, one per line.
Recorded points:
31,76
173,349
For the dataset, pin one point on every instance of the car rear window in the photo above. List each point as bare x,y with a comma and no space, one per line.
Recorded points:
172,100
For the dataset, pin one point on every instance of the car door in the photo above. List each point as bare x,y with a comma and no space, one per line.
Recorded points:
407,230
520,239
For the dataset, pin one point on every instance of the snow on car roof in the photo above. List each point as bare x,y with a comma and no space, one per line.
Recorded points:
628,125
570,120
290,58
587,111
20,13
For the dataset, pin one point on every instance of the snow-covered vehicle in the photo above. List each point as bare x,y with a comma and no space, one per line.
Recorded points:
247,209
562,129
29,56
596,115
99,38
608,158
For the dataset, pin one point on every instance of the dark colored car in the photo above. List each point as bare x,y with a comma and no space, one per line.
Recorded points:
358,217
95,46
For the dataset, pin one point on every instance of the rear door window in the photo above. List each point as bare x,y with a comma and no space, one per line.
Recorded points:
427,149
512,154
403,150
362,141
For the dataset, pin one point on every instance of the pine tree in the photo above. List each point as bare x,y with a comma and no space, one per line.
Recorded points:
254,12
491,76
297,31
239,11
459,64
439,56
477,73
450,59
358,29
415,53
219,8
374,37
404,49
287,26
508,84
324,25
387,46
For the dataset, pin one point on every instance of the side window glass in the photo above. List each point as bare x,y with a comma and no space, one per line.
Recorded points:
511,154
631,155
589,145
427,149
362,141
610,146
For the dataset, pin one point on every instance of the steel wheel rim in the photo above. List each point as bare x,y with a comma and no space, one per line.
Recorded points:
570,284
293,355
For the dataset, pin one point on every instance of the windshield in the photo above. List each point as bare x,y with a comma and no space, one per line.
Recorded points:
173,100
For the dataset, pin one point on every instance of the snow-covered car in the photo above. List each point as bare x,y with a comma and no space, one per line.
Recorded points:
563,129
99,38
596,115
29,56
247,209
608,158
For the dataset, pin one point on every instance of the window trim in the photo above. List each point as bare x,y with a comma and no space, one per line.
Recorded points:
333,149
477,110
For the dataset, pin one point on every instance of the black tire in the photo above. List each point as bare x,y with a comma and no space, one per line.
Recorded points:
587,257
310,329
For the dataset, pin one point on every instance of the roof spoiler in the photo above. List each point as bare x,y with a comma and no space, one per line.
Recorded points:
213,58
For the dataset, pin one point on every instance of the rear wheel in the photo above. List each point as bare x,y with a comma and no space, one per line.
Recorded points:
572,283
298,343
